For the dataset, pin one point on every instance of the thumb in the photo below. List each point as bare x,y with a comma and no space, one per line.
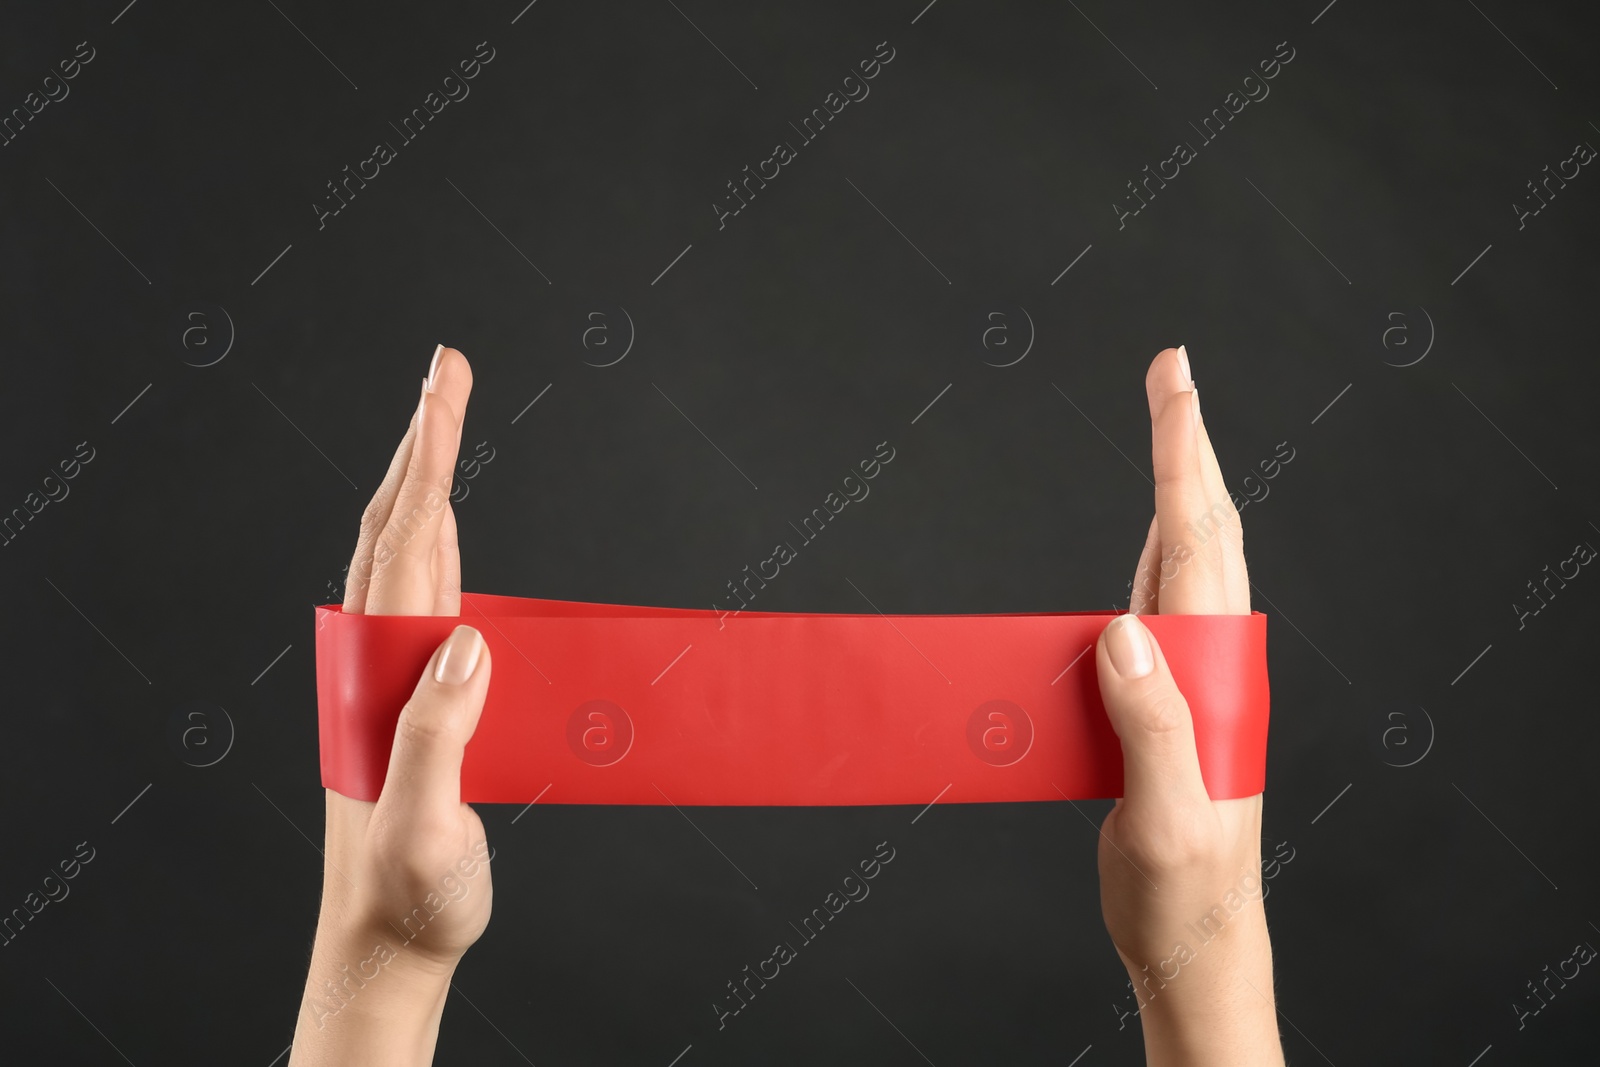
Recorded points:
436,724
1159,763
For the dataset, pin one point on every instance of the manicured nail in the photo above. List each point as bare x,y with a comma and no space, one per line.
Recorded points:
433,366
1128,645
1183,364
460,656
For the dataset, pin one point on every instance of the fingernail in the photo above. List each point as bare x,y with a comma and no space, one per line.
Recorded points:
460,656
433,366
1195,393
1183,363
1128,645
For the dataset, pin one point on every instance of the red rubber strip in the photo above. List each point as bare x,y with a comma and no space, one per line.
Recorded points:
619,704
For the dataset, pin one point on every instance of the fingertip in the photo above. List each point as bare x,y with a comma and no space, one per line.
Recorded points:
459,656
433,366
450,372
1129,646
1168,375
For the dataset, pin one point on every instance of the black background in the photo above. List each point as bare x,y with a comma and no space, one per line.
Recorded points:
225,500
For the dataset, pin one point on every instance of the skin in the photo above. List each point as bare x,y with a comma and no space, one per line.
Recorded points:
385,858
1169,856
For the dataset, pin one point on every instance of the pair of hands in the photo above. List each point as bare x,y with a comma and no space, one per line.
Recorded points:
1174,863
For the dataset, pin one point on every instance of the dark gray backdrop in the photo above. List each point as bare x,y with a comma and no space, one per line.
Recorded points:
1345,262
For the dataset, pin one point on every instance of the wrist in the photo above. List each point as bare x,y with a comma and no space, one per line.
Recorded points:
1211,1003
370,998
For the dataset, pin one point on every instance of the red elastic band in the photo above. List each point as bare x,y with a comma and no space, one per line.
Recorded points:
619,704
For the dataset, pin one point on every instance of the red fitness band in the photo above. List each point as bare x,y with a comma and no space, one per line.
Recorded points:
621,704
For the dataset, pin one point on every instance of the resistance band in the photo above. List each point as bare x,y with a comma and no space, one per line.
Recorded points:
620,704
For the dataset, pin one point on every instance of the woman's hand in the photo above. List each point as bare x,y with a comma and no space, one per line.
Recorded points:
406,888
1180,873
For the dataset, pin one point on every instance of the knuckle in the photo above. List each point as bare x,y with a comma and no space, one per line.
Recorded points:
1182,838
406,847
425,727
1161,711
373,516
1186,840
